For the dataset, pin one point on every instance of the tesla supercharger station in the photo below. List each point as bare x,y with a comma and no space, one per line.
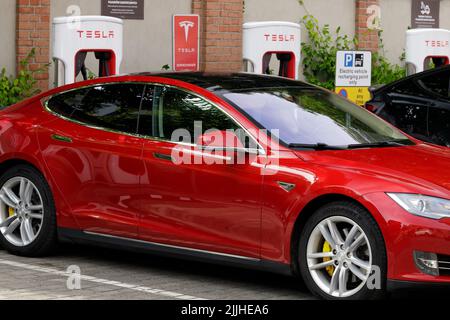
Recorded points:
425,48
74,38
265,40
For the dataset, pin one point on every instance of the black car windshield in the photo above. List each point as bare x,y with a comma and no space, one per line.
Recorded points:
314,117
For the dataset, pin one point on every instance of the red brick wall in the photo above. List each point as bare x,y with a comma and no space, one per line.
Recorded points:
221,34
368,39
33,31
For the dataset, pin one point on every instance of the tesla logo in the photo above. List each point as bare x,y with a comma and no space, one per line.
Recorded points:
187,25
437,43
186,42
96,34
279,37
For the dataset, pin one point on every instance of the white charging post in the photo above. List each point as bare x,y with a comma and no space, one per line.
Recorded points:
75,37
263,40
425,48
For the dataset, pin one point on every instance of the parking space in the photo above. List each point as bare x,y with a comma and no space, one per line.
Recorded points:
108,274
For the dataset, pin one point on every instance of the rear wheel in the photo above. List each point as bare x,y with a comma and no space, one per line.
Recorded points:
27,213
342,254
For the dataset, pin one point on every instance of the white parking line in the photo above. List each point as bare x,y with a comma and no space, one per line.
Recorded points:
128,286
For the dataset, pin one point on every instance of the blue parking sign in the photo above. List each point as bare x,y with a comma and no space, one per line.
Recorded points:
353,69
348,60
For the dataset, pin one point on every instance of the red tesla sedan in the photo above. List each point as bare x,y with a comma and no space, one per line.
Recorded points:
236,169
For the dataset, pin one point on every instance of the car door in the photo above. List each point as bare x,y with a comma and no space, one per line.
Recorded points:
198,204
438,86
439,124
407,108
94,155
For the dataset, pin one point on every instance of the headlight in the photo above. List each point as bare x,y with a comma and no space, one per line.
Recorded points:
424,206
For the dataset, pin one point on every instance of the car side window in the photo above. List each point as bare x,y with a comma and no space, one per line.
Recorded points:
110,106
410,118
408,87
146,116
407,109
439,126
438,83
176,109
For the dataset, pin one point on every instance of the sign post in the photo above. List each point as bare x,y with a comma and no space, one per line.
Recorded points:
354,75
186,42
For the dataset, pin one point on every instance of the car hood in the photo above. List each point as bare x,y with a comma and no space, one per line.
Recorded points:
424,166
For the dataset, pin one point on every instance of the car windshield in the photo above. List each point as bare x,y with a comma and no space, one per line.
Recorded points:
314,117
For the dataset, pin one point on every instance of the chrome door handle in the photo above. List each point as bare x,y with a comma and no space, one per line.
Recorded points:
61,138
165,157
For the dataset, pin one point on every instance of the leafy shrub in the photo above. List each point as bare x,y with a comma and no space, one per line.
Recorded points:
384,72
319,55
15,89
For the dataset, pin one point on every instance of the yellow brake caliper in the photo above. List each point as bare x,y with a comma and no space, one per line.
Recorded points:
327,248
11,211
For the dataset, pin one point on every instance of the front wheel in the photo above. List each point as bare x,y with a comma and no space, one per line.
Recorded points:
27,213
342,253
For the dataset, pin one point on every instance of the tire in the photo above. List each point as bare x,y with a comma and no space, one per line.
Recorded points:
35,230
353,222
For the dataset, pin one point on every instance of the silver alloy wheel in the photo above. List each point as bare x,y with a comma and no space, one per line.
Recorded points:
343,270
21,211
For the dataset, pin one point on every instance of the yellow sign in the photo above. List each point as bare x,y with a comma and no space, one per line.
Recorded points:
358,95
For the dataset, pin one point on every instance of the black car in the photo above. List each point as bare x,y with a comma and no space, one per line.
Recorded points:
419,105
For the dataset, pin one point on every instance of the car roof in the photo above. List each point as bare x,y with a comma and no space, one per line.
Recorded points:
411,77
229,82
